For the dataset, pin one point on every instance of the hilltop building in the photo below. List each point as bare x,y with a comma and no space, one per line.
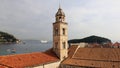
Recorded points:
60,56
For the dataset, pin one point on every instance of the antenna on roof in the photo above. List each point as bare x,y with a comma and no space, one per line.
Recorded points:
59,4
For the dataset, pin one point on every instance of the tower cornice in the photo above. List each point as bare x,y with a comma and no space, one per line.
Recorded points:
60,22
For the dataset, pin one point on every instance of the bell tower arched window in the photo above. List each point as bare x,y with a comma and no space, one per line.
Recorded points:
63,31
60,19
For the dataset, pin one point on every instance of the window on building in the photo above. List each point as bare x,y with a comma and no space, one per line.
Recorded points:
56,44
56,31
60,19
64,47
63,31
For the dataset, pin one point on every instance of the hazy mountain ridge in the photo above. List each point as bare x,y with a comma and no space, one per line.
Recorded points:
7,38
91,39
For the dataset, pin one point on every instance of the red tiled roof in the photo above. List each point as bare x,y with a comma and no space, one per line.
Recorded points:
95,57
1,66
91,63
105,54
116,44
27,60
71,50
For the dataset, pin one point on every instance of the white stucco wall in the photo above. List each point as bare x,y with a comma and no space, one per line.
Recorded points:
39,66
49,65
81,45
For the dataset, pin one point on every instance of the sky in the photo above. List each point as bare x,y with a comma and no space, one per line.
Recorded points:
32,19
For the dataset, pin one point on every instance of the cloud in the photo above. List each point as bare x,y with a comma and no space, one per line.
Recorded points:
26,18
32,19
95,18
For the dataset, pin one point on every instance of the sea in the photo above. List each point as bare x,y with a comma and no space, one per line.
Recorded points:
27,46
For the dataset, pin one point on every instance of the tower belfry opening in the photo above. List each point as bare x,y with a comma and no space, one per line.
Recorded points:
60,15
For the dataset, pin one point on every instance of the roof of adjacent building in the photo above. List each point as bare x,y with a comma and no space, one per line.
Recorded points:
28,60
71,50
94,57
2,66
116,44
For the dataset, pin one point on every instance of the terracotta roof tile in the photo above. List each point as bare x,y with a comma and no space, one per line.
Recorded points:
30,59
1,66
106,54
95,57
116,44
71,50
91,63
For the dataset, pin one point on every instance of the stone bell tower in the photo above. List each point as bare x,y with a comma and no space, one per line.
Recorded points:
60,35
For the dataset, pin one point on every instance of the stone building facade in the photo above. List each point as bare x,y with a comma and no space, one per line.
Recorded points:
60,35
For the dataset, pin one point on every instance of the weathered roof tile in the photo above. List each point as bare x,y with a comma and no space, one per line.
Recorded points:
95,57
27,60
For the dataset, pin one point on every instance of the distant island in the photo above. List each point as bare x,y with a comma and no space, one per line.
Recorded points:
91,39
6,38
